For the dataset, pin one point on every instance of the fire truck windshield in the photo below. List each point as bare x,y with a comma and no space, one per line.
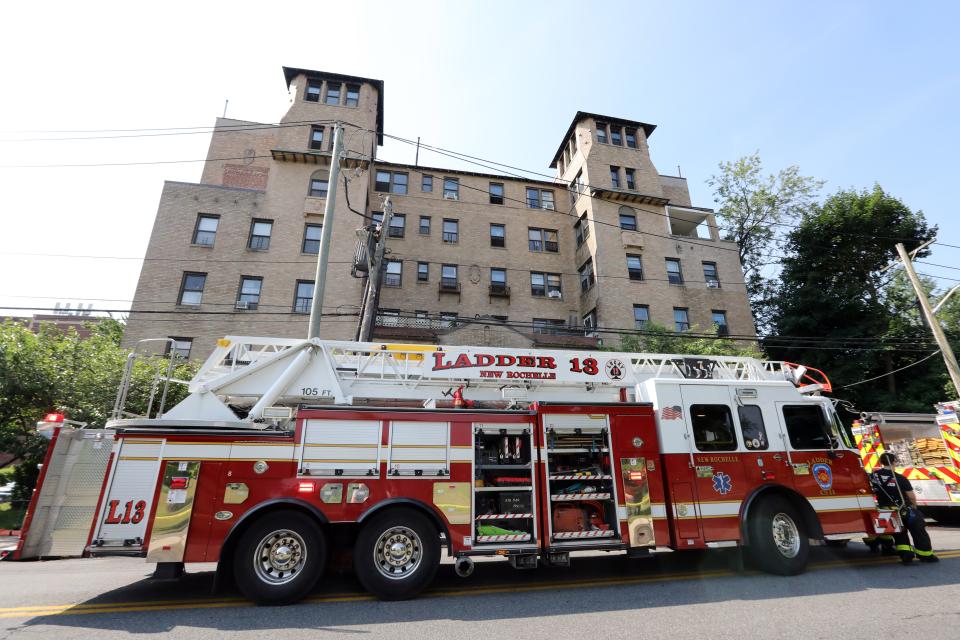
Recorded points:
841,430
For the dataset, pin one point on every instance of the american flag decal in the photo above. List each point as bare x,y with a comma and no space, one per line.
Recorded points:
671,413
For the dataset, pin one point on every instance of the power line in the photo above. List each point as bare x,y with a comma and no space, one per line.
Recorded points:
468,158
176,131
890,373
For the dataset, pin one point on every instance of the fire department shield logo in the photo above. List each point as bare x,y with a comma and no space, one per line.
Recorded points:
614,369
823,475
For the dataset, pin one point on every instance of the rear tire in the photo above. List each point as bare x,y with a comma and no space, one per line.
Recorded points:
279,558
397,554
778,539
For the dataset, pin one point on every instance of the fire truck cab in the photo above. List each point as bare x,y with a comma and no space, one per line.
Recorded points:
287,453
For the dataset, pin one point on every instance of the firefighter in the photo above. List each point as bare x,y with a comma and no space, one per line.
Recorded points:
894,491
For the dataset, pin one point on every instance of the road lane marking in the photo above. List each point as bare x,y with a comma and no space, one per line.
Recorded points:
172,605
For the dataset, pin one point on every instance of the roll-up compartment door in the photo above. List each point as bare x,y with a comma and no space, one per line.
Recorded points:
341,448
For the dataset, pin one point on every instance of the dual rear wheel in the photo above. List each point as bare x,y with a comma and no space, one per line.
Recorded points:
281,556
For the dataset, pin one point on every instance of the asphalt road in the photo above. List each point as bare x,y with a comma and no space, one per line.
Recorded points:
847,593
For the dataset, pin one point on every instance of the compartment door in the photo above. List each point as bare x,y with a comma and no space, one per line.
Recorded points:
128,501
636,458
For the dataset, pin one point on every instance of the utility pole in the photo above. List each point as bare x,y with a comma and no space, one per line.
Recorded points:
320,279
374,271
938,334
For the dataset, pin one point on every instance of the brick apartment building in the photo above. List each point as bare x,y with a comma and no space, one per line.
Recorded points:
473,258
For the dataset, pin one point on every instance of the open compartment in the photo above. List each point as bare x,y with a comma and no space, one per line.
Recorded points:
504,508
579,478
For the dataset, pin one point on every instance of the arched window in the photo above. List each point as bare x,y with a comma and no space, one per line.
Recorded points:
319,184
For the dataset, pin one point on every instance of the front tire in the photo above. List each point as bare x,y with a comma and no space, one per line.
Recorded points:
778,538
397,554
279,558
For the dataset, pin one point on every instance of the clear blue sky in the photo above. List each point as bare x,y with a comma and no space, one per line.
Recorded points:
852,92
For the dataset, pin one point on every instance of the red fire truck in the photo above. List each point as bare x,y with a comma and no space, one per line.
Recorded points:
288,451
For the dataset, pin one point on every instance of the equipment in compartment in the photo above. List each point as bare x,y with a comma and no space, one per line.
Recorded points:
503,487
582,505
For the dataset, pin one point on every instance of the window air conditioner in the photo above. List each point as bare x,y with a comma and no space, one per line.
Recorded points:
554,294
713,284
451,196
244,305
549,205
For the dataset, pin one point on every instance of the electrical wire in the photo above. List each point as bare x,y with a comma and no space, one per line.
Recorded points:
890,373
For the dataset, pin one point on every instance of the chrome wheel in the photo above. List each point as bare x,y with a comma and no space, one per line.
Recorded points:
398,552
786,536
279,557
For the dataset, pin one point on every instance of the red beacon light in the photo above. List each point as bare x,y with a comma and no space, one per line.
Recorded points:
53,417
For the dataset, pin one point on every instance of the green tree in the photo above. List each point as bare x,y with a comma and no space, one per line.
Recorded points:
754,210
55,371
834,284
660,339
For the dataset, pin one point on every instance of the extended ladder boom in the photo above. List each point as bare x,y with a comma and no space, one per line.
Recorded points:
256,373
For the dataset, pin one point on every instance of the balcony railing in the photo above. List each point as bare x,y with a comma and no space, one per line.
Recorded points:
499,290
449,285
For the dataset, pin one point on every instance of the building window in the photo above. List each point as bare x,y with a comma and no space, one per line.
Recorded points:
632,138
448,276
615,177
260,231
601,133
681,319
634,267
590,321
313,91
249,293
712,427
303,296
391,182
377,217
333,93
586,276
548,326
451,188
631,178
180,347
191,288
545,284
498,280
398,225
394,275
318,185
498,234
426,184
451,230
719,319
615,136
641,316
674,275
424,225
496,193
353,95
710,275
543,240
311,238
582,229
540,199
423,271
316,138
206,230
628,219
